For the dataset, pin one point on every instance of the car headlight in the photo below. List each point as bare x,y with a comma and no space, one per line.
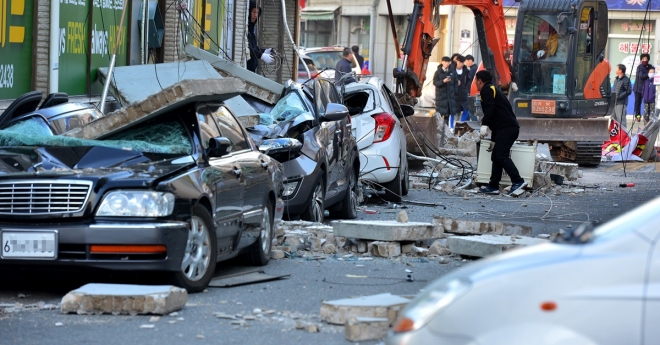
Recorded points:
430,302
136,204
289,188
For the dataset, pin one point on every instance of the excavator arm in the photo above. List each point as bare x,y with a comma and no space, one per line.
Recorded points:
420,40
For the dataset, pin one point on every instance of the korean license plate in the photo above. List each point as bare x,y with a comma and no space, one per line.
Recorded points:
29,244
543,107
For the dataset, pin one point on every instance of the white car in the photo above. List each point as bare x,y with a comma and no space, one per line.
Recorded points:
593,287
376,123
326,57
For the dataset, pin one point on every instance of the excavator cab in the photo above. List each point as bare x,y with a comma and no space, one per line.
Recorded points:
558,61
561,75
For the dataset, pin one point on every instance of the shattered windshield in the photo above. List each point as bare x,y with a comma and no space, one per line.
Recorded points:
542,56
287,108
162,137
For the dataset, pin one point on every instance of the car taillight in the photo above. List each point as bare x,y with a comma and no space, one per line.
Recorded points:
384,126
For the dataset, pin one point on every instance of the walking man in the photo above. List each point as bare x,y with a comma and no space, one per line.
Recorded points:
499,117
621,91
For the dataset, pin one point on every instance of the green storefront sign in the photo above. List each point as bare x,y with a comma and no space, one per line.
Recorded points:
88,31
15,47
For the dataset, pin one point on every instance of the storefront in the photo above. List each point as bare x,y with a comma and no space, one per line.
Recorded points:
16,49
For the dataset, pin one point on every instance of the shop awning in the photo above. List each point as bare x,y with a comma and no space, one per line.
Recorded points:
318,12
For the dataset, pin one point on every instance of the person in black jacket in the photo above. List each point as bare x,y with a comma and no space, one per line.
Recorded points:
641,75
462,76
499,117
445,92
344,66
256,53
620,92
358,57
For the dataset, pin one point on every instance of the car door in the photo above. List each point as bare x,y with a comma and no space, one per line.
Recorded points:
224,175
254,173
651,309
332,135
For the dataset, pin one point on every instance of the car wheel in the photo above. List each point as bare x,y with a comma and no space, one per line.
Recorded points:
393,188
349,204
199,259
405,182
316,204
259,252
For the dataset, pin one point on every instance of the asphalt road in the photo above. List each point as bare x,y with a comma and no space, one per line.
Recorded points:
297,300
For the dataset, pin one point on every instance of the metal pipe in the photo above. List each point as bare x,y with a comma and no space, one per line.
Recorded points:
372,34
111,69
143,40
293,43
54,47
393,27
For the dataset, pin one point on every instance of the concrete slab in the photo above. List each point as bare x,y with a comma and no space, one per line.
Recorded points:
385,230
124,299
485,245
366,328
385,305
568,170
475,227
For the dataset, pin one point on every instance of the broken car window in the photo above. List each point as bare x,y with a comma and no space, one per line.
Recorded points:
230,128
287,108
165,137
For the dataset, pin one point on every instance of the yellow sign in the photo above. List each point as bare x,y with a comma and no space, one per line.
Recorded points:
16,33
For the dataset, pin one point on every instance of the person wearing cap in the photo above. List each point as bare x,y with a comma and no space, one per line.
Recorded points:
256,53
501,120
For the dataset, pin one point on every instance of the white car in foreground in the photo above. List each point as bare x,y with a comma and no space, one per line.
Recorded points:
376,123
600,287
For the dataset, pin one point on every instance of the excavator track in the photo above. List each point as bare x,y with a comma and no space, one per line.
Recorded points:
588,153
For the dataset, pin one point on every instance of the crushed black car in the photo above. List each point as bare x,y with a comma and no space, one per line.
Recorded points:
309,132
174,192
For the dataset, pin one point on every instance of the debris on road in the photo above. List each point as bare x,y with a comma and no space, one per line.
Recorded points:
366,328
485,245
386,305
386,230
244,278
122,299
568,170
473,227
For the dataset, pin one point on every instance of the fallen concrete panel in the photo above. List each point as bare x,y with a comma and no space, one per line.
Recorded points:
244,278
474,227
485,245
568,170
257,86
366,328
124,299
385,305
386,230
179,94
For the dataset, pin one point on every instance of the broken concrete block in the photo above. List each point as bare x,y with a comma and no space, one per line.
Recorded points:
568,170
438,248
473,227
366,328
541,179
329,248
386,249
486,245
419,251
276,254
361,246
385,230
385,305
406,248
124,299
402,217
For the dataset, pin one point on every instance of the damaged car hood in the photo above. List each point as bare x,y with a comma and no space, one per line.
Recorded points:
98,161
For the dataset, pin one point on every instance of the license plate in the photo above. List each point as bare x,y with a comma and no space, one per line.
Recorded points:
543,107
29,244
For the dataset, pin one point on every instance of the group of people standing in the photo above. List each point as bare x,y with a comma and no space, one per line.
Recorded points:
452,82
643,88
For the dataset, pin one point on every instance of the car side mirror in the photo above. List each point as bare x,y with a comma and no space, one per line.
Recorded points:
407,110
334,112
219,147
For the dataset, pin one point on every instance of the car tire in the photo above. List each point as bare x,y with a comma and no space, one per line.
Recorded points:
199,259
316,203
393,188
349,205
405,182
259,253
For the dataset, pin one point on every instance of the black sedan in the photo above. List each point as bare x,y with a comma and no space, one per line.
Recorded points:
174,193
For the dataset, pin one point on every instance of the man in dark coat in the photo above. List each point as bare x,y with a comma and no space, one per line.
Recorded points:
462,76
641,75
469,62
360,58
620,91
256,53
445,92
500,119
344,67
